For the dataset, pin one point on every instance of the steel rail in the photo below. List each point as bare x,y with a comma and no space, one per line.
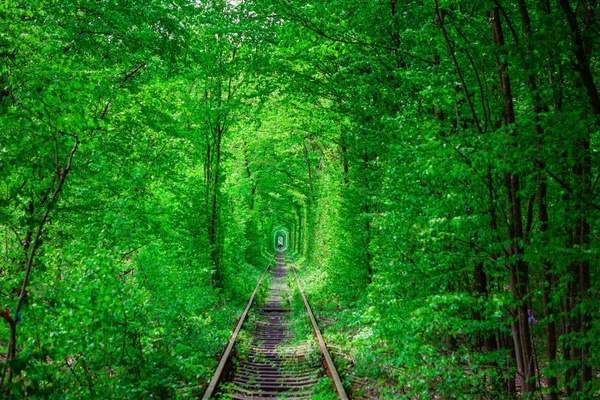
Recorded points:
221,367
330,366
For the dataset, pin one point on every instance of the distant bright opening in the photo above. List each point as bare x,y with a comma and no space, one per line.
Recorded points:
281,241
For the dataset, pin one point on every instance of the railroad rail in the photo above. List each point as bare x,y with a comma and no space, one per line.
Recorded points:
271,368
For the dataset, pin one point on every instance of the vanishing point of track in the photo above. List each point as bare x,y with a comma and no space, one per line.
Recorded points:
273,368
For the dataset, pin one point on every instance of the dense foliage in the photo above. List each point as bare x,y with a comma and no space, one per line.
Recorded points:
432,167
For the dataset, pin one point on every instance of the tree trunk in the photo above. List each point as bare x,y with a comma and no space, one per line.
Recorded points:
519,274
344,156
542,205
250,178
12,322
212,226
309,168
581,316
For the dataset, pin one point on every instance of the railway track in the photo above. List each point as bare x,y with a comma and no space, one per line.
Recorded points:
273,365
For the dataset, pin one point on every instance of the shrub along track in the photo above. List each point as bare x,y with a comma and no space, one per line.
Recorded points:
271,367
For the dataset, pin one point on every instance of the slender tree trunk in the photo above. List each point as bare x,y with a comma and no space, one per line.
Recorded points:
212,226
12,322
519,274
309,168
581,316
300,238
367,211
250,178
481,290
547,269
548,278
344,156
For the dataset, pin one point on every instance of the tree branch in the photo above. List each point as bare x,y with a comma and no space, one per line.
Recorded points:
128,76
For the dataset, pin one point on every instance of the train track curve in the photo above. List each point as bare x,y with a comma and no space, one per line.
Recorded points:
271,367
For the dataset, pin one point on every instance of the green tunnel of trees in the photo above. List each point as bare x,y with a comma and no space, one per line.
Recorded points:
431,167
